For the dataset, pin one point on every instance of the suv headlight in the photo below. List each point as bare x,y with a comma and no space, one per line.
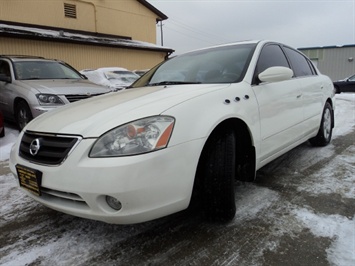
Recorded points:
140,136
48,99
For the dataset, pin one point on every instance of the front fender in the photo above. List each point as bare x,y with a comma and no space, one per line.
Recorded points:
199,116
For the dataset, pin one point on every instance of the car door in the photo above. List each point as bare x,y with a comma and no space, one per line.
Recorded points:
280,105
5,88
311,88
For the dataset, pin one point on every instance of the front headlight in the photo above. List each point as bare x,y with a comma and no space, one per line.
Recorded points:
140,136
48,99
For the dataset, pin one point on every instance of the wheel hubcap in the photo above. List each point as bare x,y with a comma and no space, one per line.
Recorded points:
327,125
22,118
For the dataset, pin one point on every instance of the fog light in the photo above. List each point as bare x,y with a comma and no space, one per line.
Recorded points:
113,203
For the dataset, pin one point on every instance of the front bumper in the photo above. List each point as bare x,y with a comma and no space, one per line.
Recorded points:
149,186
38,110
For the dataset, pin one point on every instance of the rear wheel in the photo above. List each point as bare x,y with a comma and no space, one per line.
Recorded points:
2,132
326,127
218,174
23,114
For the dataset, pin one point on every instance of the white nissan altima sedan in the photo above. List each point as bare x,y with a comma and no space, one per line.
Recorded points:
188,129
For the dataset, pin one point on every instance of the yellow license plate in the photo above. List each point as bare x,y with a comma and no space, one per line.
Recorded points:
30,179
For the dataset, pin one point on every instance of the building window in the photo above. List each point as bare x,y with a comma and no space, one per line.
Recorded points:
69,10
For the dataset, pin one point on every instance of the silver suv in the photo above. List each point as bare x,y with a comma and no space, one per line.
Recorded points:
30,86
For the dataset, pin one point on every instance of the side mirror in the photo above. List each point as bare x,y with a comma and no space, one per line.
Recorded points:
5,78
274,74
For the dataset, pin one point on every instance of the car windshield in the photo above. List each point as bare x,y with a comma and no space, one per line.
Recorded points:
225,64
124,76
27,70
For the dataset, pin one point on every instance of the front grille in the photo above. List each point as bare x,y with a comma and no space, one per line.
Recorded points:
60,198
53,149
77,97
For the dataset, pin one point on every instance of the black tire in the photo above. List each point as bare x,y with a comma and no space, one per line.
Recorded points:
326,127
218,174
23,114
2,132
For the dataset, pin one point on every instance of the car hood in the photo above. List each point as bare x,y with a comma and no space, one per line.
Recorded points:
97,115
65,86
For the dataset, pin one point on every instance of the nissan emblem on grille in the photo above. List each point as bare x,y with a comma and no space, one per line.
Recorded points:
34,147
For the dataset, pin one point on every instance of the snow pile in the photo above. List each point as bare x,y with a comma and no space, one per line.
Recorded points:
339,228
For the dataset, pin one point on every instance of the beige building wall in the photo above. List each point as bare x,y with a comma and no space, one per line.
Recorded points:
127,18
83,56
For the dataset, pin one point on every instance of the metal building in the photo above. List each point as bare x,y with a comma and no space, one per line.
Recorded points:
84,33
337,62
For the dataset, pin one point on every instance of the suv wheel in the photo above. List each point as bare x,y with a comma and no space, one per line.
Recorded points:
23,114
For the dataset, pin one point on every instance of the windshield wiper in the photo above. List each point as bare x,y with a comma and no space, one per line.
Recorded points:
172,83
31,78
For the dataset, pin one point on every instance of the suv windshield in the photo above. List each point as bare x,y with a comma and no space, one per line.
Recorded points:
26,70
225,64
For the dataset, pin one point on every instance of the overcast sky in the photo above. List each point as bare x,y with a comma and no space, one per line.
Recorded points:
299,23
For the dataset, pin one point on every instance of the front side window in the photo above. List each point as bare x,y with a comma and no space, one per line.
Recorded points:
270,56
225,64
5,69
27,70
299,63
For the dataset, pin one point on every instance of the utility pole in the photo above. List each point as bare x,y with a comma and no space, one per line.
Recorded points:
161,33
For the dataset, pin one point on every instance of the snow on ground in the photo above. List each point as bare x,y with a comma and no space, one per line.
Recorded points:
337,227
340,229
7,142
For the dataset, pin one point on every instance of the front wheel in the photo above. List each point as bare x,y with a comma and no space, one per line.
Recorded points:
23,114
326,127
219,177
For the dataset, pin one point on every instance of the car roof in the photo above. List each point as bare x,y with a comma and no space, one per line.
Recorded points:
104,69
112,69
16,58
231,44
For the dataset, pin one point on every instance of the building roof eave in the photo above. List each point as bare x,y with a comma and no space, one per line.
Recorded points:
69,36
327,47
161,15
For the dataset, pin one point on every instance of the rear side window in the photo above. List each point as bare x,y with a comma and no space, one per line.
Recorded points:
300,65
270,56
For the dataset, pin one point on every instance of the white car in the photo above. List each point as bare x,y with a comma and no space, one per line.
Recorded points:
186,130
115,78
